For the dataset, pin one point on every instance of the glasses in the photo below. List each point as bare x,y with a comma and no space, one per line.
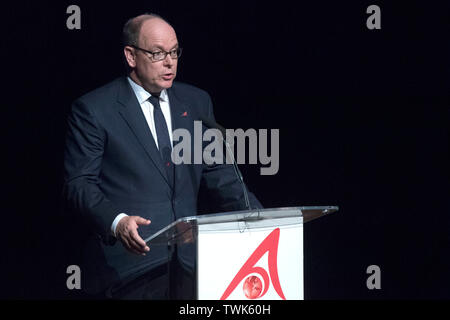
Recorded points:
161,55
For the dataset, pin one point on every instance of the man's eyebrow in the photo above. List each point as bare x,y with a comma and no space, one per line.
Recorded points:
162,49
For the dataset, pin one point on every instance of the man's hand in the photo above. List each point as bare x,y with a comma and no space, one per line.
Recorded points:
126,231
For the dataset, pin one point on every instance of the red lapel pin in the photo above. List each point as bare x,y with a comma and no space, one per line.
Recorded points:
184,114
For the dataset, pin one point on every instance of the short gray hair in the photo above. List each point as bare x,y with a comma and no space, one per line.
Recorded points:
132,28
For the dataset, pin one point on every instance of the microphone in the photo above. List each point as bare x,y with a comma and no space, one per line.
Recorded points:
214,125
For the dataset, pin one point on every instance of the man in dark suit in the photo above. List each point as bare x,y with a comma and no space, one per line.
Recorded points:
118,172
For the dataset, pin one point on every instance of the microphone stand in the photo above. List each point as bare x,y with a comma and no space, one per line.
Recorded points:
214,125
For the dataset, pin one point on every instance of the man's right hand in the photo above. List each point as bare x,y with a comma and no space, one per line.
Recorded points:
126,231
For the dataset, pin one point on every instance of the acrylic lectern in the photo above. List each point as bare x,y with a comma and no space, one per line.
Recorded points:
256,254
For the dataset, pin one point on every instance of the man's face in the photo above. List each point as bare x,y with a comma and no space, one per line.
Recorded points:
156,35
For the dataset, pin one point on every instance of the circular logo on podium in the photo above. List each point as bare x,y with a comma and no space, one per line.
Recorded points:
252,287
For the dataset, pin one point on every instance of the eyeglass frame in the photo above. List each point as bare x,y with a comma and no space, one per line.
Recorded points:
180,50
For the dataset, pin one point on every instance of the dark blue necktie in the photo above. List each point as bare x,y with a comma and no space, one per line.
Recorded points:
164,144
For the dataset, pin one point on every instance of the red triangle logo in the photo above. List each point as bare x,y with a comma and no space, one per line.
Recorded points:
252,286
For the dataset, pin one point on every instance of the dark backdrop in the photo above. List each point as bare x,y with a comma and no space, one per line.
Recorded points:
363,119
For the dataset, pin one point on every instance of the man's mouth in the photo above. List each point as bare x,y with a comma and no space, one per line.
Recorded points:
167,76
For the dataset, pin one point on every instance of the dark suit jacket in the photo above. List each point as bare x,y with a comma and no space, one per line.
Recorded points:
112,165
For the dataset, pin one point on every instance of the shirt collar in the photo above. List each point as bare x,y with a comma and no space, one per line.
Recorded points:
142,95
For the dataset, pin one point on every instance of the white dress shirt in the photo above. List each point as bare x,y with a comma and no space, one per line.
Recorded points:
147,109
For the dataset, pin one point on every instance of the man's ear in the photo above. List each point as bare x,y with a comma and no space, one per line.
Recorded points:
130,56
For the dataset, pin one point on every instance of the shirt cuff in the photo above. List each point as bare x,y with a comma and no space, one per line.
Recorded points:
115,222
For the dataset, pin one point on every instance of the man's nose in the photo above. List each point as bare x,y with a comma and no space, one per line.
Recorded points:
168,60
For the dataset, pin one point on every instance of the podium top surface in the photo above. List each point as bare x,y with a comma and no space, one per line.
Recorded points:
181,229
307,213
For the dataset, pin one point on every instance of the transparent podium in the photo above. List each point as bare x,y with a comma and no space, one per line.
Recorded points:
239,255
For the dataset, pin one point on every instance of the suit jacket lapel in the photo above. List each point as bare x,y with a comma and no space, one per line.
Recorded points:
181,118
132,114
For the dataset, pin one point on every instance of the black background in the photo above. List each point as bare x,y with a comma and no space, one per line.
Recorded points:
363,119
